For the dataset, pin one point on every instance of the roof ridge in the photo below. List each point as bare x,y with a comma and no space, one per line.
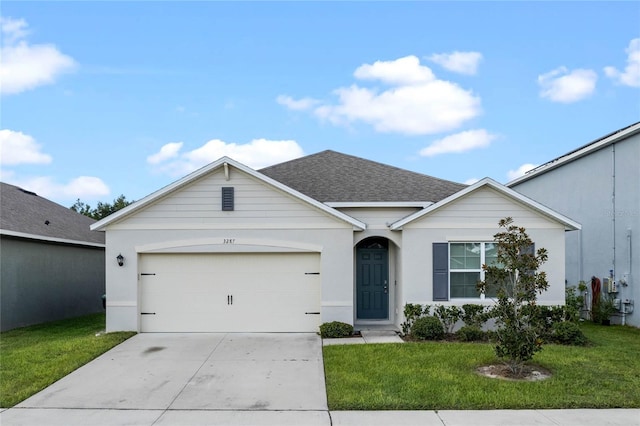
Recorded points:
331,176
361,159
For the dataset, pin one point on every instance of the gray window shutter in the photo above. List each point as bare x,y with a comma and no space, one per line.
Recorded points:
440,271
227,198
532,251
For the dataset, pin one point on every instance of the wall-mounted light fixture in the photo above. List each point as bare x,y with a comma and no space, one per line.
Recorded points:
120,259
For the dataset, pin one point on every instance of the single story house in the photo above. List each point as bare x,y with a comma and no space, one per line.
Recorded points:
326,237
52,265
598,184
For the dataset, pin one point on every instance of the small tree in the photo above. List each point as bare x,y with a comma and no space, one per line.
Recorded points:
517,282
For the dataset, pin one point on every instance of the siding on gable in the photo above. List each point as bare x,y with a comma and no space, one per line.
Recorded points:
482,208
256,204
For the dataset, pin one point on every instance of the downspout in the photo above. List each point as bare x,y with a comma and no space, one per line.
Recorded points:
627,277
580,254
613,204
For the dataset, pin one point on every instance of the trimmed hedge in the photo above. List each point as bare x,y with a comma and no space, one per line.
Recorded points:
335,329
471,333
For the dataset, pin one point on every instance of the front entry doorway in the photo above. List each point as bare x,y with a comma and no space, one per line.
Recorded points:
372,279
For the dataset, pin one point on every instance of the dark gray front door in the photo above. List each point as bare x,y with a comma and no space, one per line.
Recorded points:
372,283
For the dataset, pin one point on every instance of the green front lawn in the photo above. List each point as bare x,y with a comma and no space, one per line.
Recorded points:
441,375
32,358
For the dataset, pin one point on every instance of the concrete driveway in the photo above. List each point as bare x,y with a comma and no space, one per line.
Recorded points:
152,378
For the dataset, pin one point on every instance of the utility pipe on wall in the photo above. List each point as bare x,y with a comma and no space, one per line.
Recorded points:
613,205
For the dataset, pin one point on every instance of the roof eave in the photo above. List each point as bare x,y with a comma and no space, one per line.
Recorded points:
579,153
569,224
378,204
27,236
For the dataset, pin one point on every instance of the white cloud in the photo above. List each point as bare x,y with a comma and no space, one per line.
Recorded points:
13,29
256,154
403,71
19,148
520,171
83,187
460,62
631,74
562,85
460,142
297,105
167,151
25,66
417,103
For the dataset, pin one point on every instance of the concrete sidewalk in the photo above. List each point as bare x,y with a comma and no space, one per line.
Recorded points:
366,336
110,417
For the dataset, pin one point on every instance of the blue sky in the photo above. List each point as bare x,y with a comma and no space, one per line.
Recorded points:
100,99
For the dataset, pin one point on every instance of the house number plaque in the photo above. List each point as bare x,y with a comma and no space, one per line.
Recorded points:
228,241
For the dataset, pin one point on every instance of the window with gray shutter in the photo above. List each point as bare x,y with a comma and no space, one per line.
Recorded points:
440,271
227,198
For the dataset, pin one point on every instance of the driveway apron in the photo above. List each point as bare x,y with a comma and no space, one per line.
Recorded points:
174,371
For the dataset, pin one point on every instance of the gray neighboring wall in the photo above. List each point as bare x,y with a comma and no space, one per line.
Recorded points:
330,176
597,185
52,265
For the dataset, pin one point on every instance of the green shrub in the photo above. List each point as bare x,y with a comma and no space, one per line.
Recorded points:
543,318
568,333
448,315
473,314
427,328
573,304
412,311
471,333
335,329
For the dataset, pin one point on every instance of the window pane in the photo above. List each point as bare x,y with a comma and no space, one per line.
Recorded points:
472,255
490,254
463,284
457,256
465,256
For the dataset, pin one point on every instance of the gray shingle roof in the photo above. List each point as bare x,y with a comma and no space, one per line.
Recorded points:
25,212
330,176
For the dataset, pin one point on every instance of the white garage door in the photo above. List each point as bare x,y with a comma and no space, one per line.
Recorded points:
240,292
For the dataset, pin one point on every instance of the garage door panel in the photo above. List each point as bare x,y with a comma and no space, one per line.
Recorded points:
230,292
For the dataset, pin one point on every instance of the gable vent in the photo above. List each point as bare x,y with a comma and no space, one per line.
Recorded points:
227,198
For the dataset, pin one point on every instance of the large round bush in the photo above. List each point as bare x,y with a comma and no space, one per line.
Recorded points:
568,333
427,328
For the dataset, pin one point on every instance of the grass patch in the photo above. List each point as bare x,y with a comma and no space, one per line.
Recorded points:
32,358
441,375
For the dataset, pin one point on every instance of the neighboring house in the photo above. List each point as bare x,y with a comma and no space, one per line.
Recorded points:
52,265
327,237
598,185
